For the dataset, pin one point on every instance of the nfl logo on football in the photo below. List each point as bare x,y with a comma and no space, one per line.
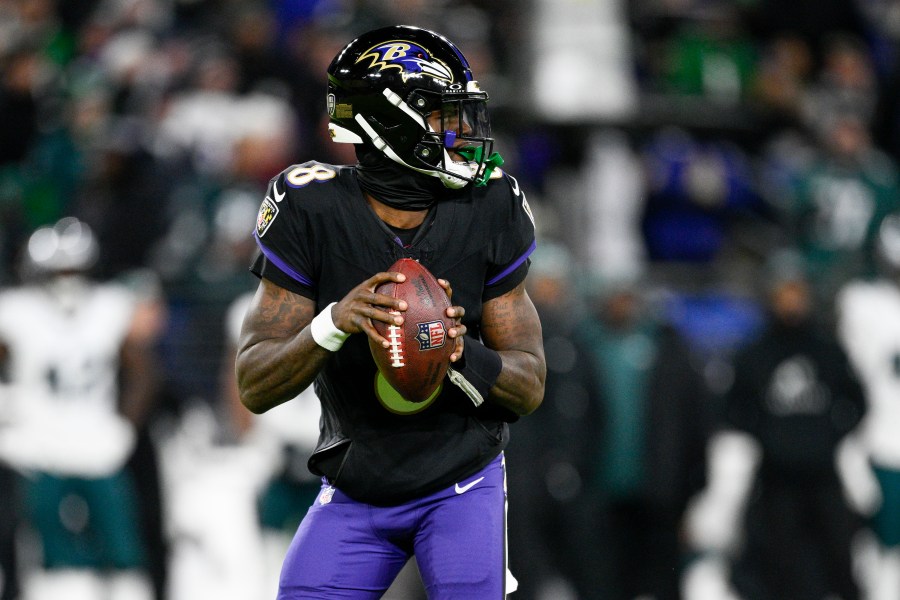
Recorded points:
431,335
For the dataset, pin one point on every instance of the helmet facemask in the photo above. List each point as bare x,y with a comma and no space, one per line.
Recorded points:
458,143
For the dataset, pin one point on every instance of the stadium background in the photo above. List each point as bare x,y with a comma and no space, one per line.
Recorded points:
665,142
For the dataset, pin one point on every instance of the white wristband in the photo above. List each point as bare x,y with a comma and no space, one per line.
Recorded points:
324,331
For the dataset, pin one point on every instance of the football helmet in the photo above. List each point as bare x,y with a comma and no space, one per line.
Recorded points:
67,246
387,88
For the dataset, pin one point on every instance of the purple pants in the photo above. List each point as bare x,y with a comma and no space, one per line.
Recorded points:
348,549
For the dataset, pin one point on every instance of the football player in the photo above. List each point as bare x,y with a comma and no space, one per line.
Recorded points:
82,378
399,478
869,327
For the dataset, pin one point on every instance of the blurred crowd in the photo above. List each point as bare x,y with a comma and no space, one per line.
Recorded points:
718,276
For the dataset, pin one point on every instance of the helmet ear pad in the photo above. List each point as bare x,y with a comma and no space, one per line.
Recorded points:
423,102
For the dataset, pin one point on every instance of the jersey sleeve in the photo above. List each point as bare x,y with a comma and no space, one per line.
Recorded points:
511,247
285,249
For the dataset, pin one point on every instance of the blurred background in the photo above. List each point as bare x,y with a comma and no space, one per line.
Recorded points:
712,180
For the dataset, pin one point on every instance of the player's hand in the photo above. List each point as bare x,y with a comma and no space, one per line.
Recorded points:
362,305
458,331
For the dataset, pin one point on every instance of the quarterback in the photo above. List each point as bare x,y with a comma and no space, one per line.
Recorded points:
399,478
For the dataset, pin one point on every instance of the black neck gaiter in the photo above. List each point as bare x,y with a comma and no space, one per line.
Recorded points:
396,185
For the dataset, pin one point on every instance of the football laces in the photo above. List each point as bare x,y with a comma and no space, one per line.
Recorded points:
395,338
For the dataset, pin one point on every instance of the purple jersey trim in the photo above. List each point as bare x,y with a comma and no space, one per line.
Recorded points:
513,266
283,266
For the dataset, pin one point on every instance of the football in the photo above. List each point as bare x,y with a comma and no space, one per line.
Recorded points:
419,354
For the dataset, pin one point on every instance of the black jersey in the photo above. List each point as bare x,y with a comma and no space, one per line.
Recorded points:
318,237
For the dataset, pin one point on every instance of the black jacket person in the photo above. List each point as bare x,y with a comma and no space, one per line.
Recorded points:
795,393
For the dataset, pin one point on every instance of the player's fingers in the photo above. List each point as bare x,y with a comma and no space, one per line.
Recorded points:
457,331
385,302
365,293
391,317
458,350
383,277
356,314
367,328
446,285
456,312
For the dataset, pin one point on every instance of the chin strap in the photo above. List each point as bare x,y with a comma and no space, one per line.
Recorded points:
451,181
474,154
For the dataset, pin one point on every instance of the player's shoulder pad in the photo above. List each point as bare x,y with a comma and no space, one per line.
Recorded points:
506,188
312,185
13,299
304,175
501,180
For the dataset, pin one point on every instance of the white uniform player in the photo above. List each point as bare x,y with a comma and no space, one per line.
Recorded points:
61,339
869,327
63,380
870,330
209,483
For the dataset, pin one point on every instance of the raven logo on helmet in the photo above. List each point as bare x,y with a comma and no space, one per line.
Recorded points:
410,58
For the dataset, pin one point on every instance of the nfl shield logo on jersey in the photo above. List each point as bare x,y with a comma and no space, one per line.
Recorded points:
431,335
268,210
327,495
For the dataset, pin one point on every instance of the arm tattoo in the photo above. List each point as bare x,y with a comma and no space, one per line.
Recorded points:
271,366
282,313
511,326
508,325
